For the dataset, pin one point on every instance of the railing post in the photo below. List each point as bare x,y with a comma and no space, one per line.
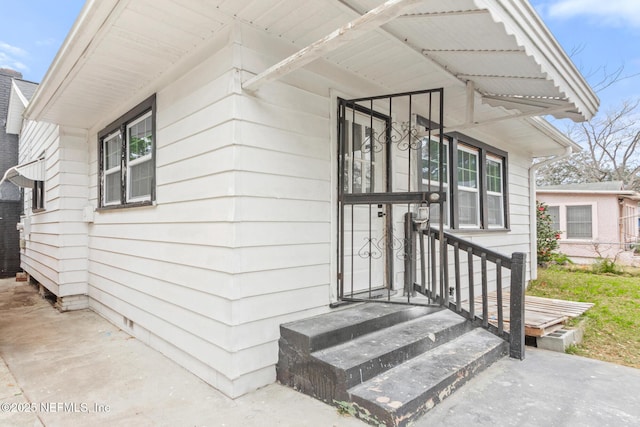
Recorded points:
409,255
516,333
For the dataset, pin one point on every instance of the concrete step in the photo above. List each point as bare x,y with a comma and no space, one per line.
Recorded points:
339,326
362,358
407,391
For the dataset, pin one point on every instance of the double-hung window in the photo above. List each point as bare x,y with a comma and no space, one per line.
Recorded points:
127,165
468,187
473,176
579,222
433,175
575,222
554,214
495,192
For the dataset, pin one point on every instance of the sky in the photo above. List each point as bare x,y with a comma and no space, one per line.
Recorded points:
601,36
32,31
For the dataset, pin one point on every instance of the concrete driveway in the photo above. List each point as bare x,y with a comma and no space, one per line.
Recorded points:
77,369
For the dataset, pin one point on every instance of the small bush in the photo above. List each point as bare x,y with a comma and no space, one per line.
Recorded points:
560,259
605,266
547,237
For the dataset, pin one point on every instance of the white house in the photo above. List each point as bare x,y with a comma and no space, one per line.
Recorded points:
194,157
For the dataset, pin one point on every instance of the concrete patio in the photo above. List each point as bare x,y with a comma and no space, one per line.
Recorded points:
76,369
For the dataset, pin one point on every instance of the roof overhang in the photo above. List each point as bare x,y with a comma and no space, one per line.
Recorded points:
627,194
495,58
512,62
25,174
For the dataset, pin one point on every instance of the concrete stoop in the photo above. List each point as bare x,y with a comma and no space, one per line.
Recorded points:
386,363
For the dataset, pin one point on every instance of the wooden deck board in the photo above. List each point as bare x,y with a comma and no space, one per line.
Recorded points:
542,315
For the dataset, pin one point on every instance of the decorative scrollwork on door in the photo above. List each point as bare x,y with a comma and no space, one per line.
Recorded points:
375,247
403,135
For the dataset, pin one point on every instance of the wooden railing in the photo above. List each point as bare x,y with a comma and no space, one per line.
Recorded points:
441,287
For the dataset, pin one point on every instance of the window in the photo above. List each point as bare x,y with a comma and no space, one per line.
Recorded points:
468,188
579,224
432,176
37,196
495,192
474,178
554,213
127,164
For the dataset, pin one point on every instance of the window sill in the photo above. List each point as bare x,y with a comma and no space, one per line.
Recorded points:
125,206
478,230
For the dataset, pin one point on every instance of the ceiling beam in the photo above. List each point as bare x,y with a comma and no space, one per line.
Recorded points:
371,20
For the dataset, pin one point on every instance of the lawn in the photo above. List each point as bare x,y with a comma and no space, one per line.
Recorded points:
612,326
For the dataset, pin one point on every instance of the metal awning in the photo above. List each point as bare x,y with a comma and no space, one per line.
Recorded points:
500,48
25,174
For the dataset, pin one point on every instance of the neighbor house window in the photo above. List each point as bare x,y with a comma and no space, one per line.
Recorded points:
127,167
554,214
579,224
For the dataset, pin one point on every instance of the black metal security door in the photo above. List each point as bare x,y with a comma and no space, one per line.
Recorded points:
392,175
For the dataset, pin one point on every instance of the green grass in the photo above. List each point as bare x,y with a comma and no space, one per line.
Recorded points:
612,325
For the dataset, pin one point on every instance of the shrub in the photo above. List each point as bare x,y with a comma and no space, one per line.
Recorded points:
547,237
605,265
560,259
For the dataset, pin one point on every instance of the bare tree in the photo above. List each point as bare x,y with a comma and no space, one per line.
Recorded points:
610,142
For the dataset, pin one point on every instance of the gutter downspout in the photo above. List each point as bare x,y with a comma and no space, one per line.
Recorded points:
568,150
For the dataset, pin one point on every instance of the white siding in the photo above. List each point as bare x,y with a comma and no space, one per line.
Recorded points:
241,237
56,247
238,239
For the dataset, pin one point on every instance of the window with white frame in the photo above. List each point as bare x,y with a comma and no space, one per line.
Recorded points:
554,214
468,187
127,166
579,222
433,176
474,178
495,192
112,157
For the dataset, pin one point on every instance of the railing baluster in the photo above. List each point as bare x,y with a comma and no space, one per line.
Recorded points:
485,300
499,296
434,295
423,269
445,266
516,263
472,309
456,262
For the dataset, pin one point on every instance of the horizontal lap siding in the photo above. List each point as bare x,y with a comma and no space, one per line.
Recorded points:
166,272
283,187
56,248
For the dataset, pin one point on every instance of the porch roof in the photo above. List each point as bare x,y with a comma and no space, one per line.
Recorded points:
495,58
614,188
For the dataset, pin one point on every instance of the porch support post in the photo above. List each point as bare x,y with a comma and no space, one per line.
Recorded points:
516,333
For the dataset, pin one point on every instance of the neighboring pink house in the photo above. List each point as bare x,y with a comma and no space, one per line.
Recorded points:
597,220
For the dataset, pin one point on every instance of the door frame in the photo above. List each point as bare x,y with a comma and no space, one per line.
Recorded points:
387,198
